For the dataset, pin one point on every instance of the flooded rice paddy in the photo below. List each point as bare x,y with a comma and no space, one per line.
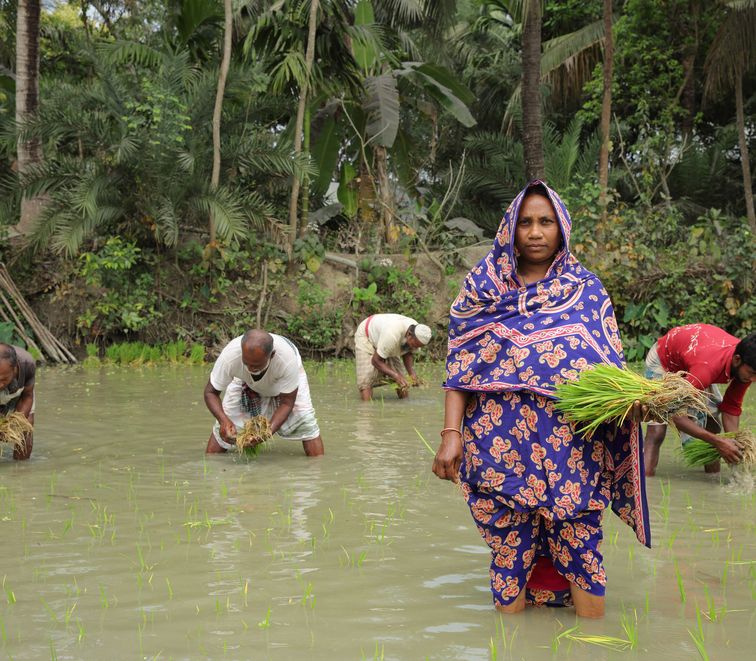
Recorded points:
121,539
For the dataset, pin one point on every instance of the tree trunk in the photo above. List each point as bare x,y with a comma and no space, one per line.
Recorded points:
218,109
309,59
306,130
532,125
27,100
606,108
688,95
385,195
743,144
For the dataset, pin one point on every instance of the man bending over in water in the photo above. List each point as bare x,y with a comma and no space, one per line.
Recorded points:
17,370
262,374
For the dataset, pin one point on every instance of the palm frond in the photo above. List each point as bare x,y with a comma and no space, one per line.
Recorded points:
732,53
167,222
123,52
561,153
568,60
400,13
226,209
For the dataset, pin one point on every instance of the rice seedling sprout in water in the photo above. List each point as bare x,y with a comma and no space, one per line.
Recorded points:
256,431
696,452
607,393
14,429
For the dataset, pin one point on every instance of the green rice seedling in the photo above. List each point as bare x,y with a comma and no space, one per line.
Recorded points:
154,355
427,445
699,638
699,453
506,640
680,584
69,613
171,352
10,595
197,354
630,627
265,624
573,634
93,357
606,393
112,353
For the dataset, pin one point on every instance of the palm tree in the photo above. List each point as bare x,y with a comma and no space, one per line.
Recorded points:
566,62
606,107
733,54
131,154
532,121
29,150
312,25
218,109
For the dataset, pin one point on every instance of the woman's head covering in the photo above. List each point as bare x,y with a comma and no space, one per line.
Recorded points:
506,335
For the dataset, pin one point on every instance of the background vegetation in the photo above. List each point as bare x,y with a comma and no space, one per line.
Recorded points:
411,145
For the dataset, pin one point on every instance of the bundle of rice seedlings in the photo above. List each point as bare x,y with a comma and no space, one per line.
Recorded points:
607,393
699,453
14,428
256,430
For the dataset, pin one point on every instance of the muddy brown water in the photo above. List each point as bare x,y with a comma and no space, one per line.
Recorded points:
120,539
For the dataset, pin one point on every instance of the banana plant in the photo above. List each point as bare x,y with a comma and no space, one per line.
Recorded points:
363,132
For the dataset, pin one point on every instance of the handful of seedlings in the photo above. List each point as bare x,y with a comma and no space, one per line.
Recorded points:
14,428
607,393
256,430
699,453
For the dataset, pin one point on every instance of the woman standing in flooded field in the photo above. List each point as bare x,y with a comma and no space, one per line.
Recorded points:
529,316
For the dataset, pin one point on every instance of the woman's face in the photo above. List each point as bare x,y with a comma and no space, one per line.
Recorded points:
537,236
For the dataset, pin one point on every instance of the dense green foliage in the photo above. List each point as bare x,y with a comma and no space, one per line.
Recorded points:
411,147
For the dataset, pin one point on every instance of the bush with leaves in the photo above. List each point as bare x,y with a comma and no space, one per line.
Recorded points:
121,289
387,288
317,321
664,270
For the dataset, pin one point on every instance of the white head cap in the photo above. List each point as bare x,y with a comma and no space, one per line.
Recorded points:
423,333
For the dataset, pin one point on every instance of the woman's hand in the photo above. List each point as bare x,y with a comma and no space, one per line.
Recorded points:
639,413
449,456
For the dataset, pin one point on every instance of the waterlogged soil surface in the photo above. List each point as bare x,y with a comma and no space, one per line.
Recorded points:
120,539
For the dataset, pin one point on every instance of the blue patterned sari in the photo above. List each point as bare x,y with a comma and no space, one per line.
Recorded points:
510,344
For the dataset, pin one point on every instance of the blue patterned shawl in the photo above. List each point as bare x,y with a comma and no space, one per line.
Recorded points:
504,335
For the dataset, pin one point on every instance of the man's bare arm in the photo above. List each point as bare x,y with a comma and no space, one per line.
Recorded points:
384,368
26,401
285,407
215,406
726,447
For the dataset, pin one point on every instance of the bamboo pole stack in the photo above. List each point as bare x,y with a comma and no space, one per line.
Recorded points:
16,311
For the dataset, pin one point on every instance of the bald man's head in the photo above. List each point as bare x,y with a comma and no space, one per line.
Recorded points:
257,351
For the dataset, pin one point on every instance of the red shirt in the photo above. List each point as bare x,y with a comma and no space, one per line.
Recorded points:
705,352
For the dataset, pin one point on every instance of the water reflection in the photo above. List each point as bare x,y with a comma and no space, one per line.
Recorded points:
121,535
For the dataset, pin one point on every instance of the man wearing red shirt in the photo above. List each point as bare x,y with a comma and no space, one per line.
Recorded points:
709,355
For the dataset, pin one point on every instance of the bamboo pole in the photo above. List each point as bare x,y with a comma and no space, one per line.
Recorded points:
52,346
